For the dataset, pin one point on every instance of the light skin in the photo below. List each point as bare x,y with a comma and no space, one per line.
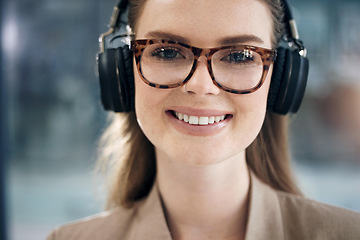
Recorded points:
202,173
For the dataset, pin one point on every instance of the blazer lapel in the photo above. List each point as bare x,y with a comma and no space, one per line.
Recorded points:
264,216
150,220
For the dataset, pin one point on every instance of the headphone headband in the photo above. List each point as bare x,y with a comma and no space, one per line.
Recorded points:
119,8
115,22
292,33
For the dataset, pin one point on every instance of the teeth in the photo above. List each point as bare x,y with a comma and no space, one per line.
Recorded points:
180,116
211,120
194,120
203,120
186,118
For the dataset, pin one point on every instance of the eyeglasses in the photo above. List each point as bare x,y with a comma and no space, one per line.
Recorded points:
166,64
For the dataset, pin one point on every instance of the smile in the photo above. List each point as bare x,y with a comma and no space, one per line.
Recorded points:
196,120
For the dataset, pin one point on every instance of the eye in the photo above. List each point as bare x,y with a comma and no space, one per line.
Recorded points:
239,57
167,53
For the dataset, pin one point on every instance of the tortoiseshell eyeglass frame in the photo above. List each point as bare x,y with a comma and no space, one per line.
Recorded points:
268,56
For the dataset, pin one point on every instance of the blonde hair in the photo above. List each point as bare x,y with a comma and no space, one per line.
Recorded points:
128,157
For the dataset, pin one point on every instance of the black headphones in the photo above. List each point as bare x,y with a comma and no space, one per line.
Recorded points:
115,66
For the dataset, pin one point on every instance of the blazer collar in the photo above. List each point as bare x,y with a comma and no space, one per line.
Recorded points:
264,216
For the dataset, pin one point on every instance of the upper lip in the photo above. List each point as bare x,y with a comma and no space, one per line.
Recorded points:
199,112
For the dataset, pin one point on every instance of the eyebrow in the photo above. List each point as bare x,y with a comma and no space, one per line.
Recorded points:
166,36
240,39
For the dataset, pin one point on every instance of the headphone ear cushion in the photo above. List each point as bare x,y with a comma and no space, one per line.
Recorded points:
108,80
277,77
126,78
129,78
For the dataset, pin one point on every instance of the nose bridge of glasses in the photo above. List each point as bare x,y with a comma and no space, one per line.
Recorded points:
202,62
201,56
199,52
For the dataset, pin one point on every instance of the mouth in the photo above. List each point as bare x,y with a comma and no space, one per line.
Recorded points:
200,120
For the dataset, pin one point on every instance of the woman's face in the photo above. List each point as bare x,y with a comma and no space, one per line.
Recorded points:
204,24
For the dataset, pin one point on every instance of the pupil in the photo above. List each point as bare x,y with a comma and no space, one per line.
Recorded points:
238,56
169,53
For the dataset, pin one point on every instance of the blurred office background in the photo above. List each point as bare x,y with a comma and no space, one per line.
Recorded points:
54,116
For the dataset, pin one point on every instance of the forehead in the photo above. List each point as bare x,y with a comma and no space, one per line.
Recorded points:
206,22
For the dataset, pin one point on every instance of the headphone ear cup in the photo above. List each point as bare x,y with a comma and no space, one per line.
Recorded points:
116,79
288,82
292,82
298,81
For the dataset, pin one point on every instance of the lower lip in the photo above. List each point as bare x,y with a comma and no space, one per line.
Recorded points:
198,130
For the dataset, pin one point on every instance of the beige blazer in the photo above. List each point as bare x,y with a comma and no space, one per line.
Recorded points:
272,215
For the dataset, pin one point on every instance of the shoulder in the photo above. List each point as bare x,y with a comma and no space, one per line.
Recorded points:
108,225
317,220
144,220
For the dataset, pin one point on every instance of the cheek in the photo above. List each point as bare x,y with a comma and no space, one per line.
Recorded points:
250,112
143,99
254,103
144,94
258,101
149,108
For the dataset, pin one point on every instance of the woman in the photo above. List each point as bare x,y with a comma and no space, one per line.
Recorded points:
204,160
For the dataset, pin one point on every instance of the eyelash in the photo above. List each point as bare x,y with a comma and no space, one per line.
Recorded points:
161,50
245,55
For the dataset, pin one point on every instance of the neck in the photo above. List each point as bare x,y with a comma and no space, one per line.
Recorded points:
204,202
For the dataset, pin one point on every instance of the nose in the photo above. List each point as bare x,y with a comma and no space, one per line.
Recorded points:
201,82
